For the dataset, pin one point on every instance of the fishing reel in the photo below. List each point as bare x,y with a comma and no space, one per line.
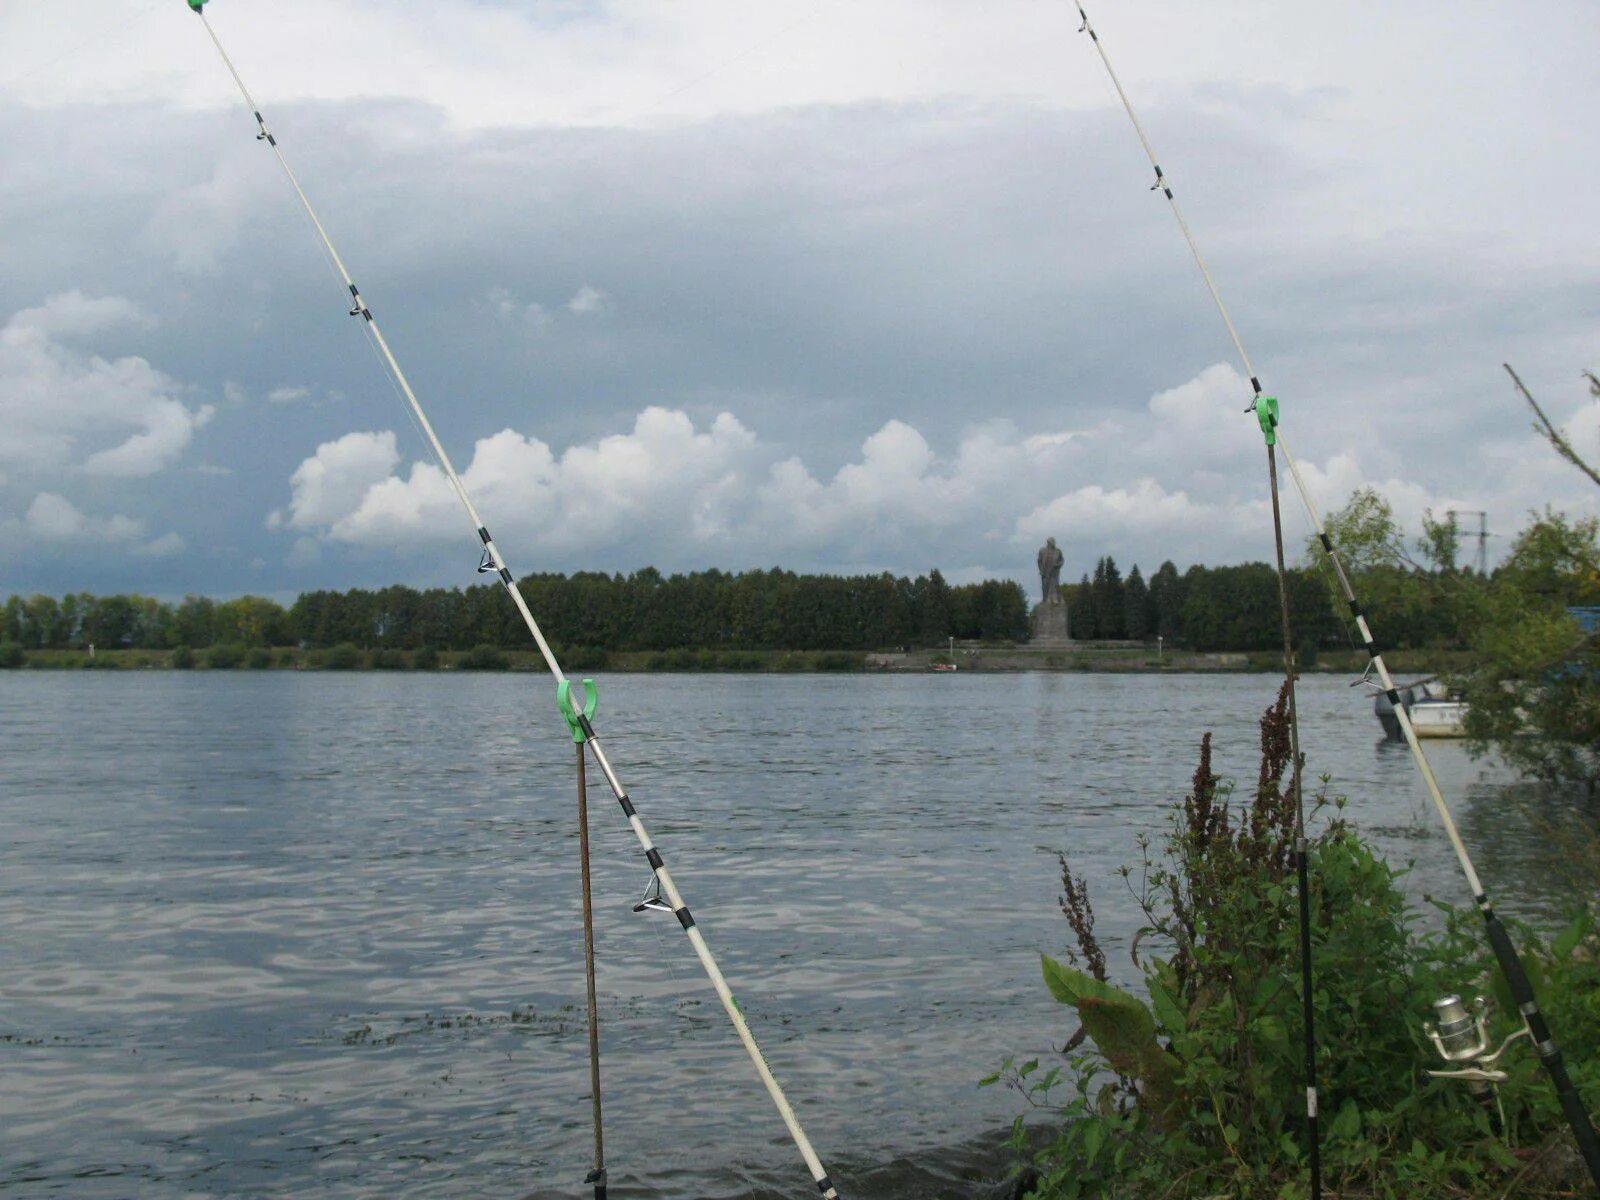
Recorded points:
1461,1036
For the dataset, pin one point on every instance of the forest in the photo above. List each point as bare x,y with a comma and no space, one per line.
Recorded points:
752,610
1203,608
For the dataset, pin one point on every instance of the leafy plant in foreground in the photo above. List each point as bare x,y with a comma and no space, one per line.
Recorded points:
1196,1088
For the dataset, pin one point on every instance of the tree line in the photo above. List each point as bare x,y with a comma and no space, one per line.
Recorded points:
1418,602
1425,600
1202,608
645,610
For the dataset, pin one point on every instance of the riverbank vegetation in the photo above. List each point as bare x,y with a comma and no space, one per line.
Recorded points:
708,611
1425,606
346,656
1185,1080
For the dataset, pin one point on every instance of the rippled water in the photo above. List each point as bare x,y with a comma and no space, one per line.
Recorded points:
318,934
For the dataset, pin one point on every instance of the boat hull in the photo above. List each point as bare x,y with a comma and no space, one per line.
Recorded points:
1431,716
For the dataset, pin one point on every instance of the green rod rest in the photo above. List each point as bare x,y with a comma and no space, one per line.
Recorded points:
1267,414
571,712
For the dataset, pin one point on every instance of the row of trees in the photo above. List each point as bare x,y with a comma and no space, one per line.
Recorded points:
1417,594
1203,608
642,611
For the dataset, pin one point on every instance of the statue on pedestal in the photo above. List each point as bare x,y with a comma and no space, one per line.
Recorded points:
1050,561
1050,625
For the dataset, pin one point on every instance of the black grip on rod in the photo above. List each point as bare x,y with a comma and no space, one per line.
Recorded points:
1527,1003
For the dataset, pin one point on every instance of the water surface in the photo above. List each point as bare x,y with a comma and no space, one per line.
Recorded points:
318,935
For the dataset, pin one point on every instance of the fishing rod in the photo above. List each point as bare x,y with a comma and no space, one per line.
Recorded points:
1266,411
493,562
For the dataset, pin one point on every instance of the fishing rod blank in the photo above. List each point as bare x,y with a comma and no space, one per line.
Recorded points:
493,562
1510,962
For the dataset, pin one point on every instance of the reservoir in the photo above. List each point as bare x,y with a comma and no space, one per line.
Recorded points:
318,935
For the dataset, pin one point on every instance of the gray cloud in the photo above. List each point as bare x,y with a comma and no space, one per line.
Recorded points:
820,275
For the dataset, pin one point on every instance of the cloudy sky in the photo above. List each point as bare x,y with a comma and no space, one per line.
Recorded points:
833,286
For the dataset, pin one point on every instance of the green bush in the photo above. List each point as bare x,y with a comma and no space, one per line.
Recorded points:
183,659
483,658
225,657
1195,1089
389,660
838,660
585,658
12,656
258,659
426,659
343,657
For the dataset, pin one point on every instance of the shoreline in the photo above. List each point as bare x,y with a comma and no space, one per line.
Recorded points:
1087,657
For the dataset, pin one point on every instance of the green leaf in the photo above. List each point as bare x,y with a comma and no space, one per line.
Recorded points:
1069,985
1270,1030
1060,980
1167,1010
1567,940
1094,1136
1347,1123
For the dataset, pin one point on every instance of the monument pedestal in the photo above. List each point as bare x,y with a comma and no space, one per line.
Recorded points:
1050,626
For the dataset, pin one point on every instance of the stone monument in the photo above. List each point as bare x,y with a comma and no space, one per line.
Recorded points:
1050,624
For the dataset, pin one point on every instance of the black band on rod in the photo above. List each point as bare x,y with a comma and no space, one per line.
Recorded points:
1583,1131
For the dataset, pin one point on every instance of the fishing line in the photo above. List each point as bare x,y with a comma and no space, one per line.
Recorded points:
104,36
1510,962
578,717
711,73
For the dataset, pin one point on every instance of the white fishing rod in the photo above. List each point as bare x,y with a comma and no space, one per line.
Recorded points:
579,719
1266,411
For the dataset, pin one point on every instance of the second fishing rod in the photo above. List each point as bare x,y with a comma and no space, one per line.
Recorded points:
493,562
1266,410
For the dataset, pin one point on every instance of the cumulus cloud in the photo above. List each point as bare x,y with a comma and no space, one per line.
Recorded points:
333,481
652,477
60,405
54,520
685,495
587,302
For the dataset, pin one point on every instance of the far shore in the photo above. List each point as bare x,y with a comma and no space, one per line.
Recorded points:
969,657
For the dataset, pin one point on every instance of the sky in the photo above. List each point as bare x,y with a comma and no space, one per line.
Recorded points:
839,287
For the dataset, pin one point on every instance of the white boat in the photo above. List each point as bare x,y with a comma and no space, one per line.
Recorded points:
1434,712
